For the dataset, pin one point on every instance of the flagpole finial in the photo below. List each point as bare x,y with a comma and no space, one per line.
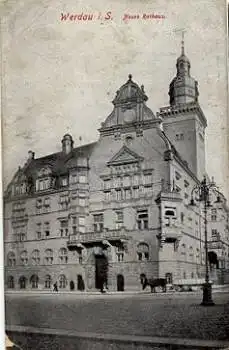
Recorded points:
182,42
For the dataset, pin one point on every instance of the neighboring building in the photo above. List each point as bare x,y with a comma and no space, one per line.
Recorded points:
118,207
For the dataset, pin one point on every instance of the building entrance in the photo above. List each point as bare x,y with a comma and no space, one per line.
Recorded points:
120,283
101,271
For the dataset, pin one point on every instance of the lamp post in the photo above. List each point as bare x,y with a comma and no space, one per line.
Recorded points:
202,192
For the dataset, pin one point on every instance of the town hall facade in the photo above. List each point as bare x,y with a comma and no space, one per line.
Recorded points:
118,207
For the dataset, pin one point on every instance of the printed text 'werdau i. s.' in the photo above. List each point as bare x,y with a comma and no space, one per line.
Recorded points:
108,16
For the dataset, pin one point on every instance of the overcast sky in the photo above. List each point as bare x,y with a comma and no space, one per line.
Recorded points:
61,77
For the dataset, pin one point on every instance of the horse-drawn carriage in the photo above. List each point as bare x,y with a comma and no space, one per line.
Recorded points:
153,283
178,285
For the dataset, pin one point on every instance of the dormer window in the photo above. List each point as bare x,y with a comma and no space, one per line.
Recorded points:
44,179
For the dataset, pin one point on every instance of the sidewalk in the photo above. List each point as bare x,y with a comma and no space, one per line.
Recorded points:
215,289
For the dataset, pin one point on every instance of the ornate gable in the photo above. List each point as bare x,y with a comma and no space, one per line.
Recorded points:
129,109
125,156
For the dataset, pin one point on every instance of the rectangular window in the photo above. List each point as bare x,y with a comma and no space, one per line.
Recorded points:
119,219
147,179
140,256
64,200
47,229
82,224
135,181
118,182
47,202
127,193
82,202
38,231
64,182
107,184
81,221
135,192
119,216
118,195
74,178
213,214
126,181
215,235
98,222
82,179
142,219
107,196
64,228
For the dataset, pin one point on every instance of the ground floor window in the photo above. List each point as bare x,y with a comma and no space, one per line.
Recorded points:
169,277
10,282
62,281
48,281
22,282
34,281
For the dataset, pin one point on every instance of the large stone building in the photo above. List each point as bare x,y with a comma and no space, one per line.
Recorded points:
120,206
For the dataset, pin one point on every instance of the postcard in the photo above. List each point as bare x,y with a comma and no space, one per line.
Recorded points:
115,174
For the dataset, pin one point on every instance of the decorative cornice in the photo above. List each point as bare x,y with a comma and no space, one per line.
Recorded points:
129,127
183,108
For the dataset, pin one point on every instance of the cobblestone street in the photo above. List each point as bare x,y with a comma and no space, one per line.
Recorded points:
178,316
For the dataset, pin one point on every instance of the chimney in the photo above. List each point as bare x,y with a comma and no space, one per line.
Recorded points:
31,155
67,144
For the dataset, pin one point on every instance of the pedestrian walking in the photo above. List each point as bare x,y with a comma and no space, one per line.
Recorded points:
55,287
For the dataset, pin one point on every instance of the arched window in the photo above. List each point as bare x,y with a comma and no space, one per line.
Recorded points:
48,259
48,281
34,281
36,257
22,282
11,259
10,282
24,258
143,252
62,282
63,255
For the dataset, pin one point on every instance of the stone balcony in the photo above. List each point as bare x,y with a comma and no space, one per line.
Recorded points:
171,233
215,244
104,238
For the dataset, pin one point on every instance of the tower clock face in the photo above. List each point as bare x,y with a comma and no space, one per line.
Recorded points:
129,115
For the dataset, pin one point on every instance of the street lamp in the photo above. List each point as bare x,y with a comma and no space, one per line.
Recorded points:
202,192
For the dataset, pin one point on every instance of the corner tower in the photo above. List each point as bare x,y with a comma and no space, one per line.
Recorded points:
183,88
183,120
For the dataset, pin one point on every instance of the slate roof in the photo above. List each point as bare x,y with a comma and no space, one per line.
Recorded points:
59,163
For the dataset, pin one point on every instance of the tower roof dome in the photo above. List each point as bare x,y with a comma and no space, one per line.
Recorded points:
130,91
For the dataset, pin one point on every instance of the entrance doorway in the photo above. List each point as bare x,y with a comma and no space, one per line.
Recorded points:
213,260
101,271
72,285
120,283
80,283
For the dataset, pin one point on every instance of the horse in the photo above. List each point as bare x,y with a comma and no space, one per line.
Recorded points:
153,282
